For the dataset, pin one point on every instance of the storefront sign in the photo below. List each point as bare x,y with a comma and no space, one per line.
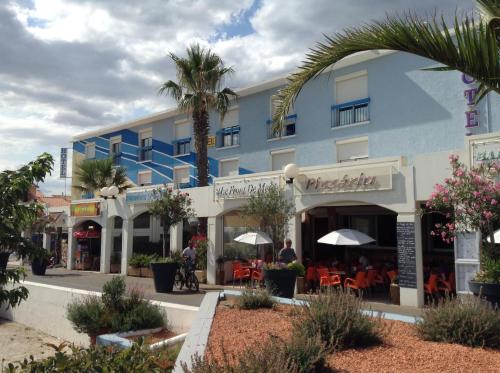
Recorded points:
407,255
211,141
485,151
86,209
140,196
471,115
345,180
243,188
63,170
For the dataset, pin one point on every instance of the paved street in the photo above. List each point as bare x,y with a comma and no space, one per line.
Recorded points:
94,281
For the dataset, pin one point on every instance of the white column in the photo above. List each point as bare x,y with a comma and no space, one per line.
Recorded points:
71,249
215,236
106,245
46,241
176,238
295,234
127,240
409,230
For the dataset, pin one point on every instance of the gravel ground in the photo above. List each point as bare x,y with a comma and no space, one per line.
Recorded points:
18,341
402,350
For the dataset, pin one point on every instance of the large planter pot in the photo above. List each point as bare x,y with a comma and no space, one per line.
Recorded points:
146,272
38,267
490,291
164,276
134,271
219,277
4,258
201,275
280,282
300,285
394,293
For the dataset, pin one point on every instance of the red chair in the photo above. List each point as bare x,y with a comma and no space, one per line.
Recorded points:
240,273
326,280
358,283
431,287
447,286
257,276
391,275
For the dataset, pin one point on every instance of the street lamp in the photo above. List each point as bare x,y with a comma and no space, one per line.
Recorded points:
291,171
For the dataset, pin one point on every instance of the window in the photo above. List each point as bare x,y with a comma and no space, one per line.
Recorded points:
280,158
182,143
230,130
288,128
90,150
229,167
181,177
351,97
142,221
116,149
146,146
144,178
352,149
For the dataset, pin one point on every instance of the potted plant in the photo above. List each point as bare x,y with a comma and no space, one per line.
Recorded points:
470,201
220,275
201,246
164,270
134,265
271,207
300,271
39,259
394,290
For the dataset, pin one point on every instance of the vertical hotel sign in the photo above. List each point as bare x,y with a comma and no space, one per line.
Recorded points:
63,171
86,209
472,114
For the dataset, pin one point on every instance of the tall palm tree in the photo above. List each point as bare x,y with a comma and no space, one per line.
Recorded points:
92,175
473,47
200,77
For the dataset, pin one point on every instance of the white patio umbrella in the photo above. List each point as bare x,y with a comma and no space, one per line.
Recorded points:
254,238
346,237
496,236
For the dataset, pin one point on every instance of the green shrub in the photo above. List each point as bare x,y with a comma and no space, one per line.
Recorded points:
145,315
336,316
138,358
252,299
201,254
490,271
113,293
306,353
467,320
88,315
299,268
142,260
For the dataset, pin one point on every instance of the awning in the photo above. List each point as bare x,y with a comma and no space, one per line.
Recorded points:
87,234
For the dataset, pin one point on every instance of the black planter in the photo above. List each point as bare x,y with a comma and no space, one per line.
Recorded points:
164,276
487,290
38,267
280,282
4,258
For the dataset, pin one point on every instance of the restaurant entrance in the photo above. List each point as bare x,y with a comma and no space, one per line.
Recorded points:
88,247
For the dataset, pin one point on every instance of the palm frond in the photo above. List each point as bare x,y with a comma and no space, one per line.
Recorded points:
472,48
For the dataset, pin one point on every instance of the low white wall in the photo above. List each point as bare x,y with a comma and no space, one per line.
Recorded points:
45,310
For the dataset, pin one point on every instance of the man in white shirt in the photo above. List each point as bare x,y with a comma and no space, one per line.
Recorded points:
189,252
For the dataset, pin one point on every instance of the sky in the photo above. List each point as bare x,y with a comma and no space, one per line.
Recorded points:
69,66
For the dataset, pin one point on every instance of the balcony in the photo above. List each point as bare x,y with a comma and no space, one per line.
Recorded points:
228,137
145,153
352,112
288,128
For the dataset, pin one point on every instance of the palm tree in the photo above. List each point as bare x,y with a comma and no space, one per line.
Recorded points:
95,174
200,77
473,47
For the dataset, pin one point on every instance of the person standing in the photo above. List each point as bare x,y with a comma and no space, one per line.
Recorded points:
287,254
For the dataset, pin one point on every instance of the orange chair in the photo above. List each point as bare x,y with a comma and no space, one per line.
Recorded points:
240,273
447,286
391,275
326,280
257,276
431,287
358,283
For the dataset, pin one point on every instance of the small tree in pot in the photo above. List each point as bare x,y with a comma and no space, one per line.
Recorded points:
273,210
172,207
469,199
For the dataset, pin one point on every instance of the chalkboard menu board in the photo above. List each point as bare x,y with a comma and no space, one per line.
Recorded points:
407,261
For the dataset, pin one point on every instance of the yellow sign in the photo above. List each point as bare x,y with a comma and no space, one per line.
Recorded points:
86,209
211,141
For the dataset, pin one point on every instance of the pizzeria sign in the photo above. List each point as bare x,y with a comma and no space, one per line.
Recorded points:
85,209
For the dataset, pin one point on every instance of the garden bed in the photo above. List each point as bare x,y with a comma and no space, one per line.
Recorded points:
151,338
233,330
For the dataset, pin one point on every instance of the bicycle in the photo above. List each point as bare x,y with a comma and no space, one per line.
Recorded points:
187,277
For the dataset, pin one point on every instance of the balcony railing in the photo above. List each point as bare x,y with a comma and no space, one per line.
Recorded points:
145,153
228,136
288,128
351,112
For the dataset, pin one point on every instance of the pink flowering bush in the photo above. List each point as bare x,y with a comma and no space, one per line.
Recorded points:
469,199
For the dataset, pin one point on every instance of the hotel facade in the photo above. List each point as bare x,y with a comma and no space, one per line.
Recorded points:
371,137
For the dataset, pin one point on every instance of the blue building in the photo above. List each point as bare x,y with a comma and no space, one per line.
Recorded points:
373,115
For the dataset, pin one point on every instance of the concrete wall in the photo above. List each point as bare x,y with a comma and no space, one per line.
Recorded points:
45,310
